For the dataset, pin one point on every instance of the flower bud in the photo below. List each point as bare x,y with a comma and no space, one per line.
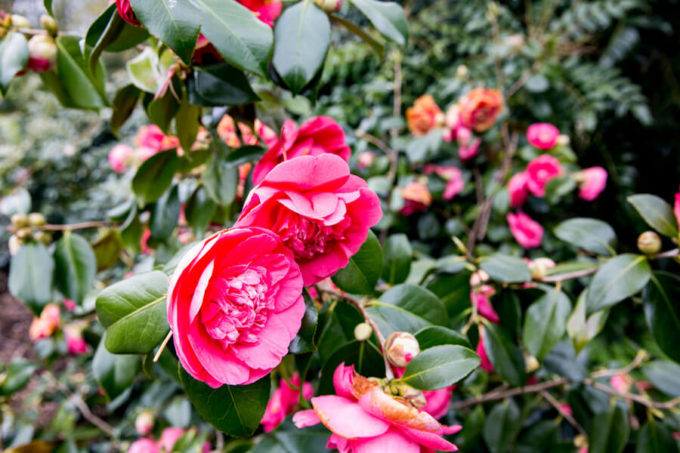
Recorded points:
49,24
144,422
36,219
461,71
20,21
14,244
478,277
23,234
563,140
539,267
363,332
44,237
328,6
401,348
42,53
365,160
531,364
649,243
19,220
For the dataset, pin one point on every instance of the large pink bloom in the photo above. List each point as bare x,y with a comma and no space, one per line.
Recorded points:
144,445
526,231
283,401
234,304
318,135
540,171
321,211
365,419
517,188
593,181
542,135
169,437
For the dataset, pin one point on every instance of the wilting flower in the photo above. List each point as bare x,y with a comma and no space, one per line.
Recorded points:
46,324
527,232
120,157
453,177
480,297
145,445
75,343
320,211
363,418
592,182
542,135
265,10
480,108
318,135
125,11
540,171
416,197
539,266
284,400
42,53
517,189
424,115
234,304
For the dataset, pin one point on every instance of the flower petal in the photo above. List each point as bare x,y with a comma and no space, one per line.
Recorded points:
346,418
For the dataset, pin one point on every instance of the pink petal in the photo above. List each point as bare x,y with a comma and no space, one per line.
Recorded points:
391,441
306,418
346,418
429,440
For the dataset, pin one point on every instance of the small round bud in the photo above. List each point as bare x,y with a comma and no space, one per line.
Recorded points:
328,6
649,243
478,277
49,24
19,220
539,267
23,234
44,237
531,364
14,244
36,219
42,53
401,348
144,423
20,21
461,71
563,140
363,332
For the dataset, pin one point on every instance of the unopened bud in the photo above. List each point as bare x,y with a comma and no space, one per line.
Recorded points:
363,332
144,423
531,364
44,237
20,21
49,24
461,71
328,6
23,234
539,267
401,348
563,140
580,441
649,243
42,53
478,277
36,219
14,244
19,220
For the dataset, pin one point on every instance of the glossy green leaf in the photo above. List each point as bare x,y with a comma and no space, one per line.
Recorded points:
124,104
110,32
610,430
655,437
247,153
107,249
619,278
398,256
176,23
13,58
200,209
656,212
407,308
30,275
504,354
336,327
165,214
664,375
506,269
292,440
75,267
161,110
154,176
302,36
582,329
115,373
387,17
233,409
16,375
240,37
453,290
546,322
365,357
588,234
219,85
304,340
363,269
501,426
76,84
187,123
662,311
221,178
439,367
431,336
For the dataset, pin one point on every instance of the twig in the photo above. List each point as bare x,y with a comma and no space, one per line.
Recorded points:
637,361
90,417
72,226
671,404
396,104
163,345
567,416
569,275
669,254
493,396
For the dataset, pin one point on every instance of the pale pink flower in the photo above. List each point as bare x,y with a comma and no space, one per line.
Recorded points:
169,438
144,445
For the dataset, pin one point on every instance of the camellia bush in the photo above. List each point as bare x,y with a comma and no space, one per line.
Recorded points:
321,241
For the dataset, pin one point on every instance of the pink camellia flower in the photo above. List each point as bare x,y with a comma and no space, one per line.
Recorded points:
153,138
517,188
125,11
320,211
453,177
169,438
318,135
145,445
676,207
46,324
363,418
591,182
144,242
42,53
265,10
480,297
283,401
75,343
541,170
485,363
566,409
480,108
527,232
266,133
120,157
234,305
542,135
416,197
438,401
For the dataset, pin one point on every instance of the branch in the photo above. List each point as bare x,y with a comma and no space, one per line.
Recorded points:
637,361
671,404
72,226
90,417
567,416
493,396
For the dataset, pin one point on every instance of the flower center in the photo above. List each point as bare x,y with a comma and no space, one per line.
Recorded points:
308,238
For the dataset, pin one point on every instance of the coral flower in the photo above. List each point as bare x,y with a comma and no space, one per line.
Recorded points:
480,108
416,197
424,116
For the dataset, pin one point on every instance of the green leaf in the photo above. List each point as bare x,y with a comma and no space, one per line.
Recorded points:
304,340
161,110
75,267
619,278
506,356
657,213
176,23
233,409
437,335
377,45
506,269
154,176
407,308
582,330
439,367
144,71
501,426
453,290
115,373
165,214
247,153
48,6
30,275
363,269
545,323
589,234
13,58
609,431
387,17
134,313
107,249
292,440
219,85
398,257
240,37
124,104
664,375
302,35
200,209
187,123
221,178
16,375
662,311
655,437
336,328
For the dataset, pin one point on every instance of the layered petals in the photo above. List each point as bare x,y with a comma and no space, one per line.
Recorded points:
479,109
542,135
540,171
527,232
592,182
424,116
